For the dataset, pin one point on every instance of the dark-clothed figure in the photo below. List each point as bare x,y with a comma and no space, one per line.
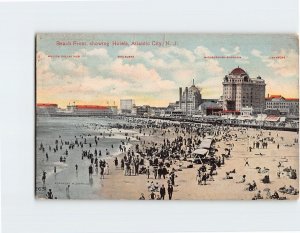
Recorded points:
170,191
162,192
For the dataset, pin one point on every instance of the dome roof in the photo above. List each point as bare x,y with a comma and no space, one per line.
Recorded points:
193,88
238,71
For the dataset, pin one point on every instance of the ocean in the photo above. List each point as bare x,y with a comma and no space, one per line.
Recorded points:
50,129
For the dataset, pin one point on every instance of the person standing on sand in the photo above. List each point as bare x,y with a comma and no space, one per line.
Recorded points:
122,164
164,172
101,172
172,178
136,169
162,192
90,171
148,172
170,191
116,162
44,177
155,172
107,169
76,167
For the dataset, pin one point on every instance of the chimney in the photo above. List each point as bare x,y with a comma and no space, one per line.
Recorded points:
186,100
180,97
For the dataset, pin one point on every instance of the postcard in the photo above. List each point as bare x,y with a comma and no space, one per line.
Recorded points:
167,116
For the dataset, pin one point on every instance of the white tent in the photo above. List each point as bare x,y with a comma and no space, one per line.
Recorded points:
206,143
261,117
200,151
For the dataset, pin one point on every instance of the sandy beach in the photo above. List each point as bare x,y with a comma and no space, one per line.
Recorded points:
118,186
282,152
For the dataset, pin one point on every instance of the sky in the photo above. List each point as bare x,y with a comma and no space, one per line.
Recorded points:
149,68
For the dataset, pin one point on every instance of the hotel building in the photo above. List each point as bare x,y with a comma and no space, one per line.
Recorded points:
239,91
286,106
189,100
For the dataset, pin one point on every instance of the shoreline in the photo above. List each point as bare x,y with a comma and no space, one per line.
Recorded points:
206,120
116,186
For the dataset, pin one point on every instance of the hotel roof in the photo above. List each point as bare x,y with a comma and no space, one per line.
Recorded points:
238,71
281,97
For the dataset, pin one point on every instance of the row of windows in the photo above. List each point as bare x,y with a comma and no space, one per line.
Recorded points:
281,103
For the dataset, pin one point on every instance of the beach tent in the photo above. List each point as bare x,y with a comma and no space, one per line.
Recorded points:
200,151
205,144
199,154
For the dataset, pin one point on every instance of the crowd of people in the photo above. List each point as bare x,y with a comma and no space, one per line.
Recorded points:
162,160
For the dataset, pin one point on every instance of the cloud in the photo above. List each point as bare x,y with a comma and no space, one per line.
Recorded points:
202,51
256,53
236,51
283,62
92,82
141,78
174,63
101,52
152,77
211,88
134,51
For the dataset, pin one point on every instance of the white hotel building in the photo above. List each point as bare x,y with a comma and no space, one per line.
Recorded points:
286,106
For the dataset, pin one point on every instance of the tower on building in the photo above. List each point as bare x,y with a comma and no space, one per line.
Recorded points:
189,99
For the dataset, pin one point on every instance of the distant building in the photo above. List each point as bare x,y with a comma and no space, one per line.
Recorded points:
114,109
239,91
210,100
157,111
90,110
286,106
273,112
126,106
46,109
209,108
246,111
220,100
143,110
189,100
